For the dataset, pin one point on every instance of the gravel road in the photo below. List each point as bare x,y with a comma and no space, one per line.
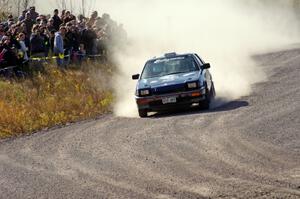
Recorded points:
248,148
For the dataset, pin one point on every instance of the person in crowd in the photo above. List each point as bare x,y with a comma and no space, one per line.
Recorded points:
28,24
2,32
8,56
81,19
10,20
23,47
22,16
69,41
37,35
59,46
33,13
50,25
56,20
51,39
80,54
37,47
62,15
92,19
88,36
68,17
45,34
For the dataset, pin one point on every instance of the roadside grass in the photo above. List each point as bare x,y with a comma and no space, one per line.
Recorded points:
53,97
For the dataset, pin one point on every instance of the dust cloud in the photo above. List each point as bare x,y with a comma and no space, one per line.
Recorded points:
224,33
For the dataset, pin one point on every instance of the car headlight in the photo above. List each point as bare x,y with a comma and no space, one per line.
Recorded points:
144,92
192,85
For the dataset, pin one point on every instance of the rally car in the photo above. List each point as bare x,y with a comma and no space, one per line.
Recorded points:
173,81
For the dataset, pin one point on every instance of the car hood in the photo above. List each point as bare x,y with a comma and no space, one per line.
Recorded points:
169,80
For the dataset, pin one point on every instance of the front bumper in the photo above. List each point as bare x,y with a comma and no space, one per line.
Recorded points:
183,99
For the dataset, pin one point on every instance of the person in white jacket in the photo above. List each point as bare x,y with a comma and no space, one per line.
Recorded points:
24,48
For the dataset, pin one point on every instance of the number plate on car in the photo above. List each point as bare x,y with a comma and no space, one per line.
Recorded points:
169,100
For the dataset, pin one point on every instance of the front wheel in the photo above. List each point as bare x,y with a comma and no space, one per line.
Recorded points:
143,113
204,105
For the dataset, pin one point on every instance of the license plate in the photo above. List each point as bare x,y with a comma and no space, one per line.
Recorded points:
169,100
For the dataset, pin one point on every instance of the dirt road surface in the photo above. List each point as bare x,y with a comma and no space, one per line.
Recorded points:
247,148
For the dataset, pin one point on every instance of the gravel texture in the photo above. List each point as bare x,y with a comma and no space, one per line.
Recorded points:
248,148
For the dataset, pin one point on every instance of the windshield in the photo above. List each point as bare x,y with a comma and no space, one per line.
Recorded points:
169,66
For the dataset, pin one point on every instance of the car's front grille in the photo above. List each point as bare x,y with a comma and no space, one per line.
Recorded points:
169,89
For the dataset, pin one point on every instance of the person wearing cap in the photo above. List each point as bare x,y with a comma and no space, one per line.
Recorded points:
59,45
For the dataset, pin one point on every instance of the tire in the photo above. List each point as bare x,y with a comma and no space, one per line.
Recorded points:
143,113
205,104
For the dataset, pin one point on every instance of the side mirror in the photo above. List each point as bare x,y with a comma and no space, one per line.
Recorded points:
206,66
136,77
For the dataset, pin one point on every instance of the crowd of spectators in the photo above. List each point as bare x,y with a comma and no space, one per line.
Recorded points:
62,35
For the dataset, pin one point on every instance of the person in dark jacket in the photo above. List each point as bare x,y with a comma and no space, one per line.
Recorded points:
28,24
45,34
37,47
33,13
88,36
56,20
8,56
51,39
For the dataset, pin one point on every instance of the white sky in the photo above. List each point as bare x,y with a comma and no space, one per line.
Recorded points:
108,6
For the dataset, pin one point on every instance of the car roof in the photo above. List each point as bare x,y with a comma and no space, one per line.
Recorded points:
170,56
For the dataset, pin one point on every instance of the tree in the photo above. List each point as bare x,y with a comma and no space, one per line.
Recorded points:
62,4
26,3
86,8
5,6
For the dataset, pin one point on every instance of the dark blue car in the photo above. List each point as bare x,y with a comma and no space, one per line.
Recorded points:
174,81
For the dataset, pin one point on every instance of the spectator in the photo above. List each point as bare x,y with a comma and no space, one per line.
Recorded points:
33,13
7,56
28,24
63,14
23,47
37,47
45,34
51,39
50,25
56,20
88,38
2,32
68,17
80,54
59,45
93,19
22,16
81,19
10,20
36,35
